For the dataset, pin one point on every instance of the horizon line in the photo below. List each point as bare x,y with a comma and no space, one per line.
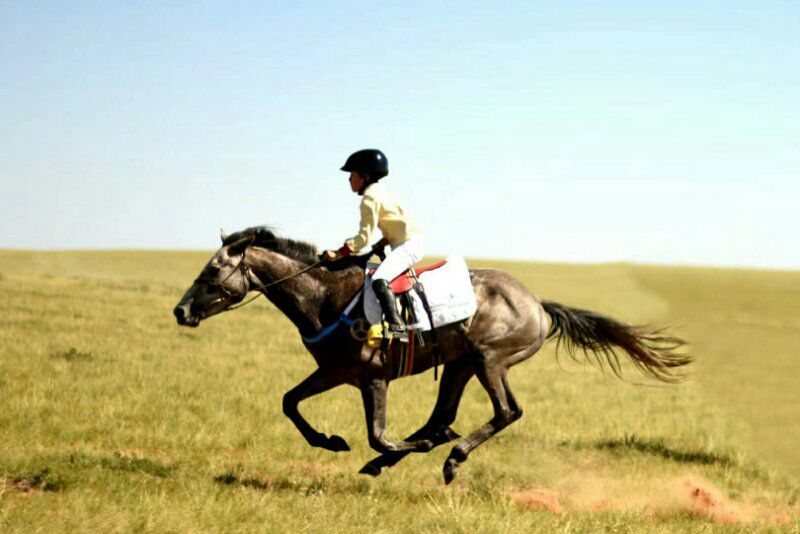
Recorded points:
699,265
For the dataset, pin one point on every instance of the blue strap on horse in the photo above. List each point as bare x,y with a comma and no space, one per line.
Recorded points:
328,330
343,319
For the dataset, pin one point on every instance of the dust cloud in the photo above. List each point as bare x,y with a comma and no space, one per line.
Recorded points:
688,495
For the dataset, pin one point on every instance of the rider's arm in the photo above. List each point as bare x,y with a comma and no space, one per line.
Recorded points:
369,221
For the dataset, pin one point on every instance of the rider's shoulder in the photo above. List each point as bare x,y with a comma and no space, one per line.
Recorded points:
375,191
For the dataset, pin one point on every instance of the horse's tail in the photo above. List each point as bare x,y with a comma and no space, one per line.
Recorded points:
652,351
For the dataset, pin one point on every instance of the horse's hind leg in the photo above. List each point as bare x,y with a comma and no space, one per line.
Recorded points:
437,429
506,411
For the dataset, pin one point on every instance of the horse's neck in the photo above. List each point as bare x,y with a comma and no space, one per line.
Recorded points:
309,300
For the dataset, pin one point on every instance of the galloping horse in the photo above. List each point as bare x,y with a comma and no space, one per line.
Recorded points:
509,326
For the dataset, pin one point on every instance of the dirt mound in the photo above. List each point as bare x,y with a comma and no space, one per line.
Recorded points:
23,485
42,480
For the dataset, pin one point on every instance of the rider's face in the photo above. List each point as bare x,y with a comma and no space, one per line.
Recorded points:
356,182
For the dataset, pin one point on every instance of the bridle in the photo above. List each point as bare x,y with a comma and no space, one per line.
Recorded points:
247,283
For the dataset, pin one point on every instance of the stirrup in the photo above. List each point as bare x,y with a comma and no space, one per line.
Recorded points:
398,332
378,332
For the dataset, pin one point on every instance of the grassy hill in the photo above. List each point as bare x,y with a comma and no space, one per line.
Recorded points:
115,419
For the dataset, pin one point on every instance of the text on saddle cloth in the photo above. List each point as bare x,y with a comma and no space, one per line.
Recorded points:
449,291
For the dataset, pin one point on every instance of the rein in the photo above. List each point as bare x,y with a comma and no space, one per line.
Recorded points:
248,276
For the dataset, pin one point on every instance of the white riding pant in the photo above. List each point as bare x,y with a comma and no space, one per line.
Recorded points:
400,258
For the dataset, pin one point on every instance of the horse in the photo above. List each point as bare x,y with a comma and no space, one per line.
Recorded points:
509,326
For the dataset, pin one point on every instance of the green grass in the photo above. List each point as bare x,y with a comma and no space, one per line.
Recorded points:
115,419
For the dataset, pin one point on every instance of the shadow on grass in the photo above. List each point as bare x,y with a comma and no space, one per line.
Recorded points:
306,487
659,448
119,462
136,465
72,355
63,471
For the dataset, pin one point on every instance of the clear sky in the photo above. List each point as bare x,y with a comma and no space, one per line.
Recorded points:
551,131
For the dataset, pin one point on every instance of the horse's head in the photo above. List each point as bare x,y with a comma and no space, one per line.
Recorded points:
222,283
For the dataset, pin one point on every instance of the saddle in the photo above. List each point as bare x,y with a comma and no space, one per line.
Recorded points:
405,282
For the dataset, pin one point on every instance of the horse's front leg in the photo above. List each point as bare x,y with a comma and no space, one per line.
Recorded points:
318,382
373,394
455,376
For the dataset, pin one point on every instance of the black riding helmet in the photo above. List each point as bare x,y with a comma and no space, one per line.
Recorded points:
370,161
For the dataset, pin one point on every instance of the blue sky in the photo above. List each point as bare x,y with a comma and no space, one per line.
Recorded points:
552,131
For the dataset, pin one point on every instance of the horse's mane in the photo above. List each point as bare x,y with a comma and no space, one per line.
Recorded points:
264,237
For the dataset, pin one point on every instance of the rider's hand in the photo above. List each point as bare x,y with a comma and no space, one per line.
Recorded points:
330,255
378,247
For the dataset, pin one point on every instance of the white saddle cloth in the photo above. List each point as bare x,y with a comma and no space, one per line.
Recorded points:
449,291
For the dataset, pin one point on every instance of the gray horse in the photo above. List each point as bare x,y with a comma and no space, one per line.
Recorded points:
509,326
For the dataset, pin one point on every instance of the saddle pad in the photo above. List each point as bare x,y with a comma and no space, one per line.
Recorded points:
449,291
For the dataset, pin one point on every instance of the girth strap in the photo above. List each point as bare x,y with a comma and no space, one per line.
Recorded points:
437,351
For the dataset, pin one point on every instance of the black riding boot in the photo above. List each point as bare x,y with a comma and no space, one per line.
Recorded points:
386,297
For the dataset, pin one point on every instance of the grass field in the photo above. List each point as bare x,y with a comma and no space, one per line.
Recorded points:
115,419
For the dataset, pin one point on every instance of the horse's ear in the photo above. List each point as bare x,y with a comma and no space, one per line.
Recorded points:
237,247
222,235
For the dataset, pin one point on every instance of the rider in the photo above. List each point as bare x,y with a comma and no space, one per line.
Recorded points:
381,208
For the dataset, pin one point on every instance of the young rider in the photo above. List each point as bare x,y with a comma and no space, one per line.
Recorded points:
380,208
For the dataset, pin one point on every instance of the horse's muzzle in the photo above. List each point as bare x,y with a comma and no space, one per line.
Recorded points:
183,315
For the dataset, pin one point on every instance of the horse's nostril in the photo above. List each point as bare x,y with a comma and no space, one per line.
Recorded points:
179,313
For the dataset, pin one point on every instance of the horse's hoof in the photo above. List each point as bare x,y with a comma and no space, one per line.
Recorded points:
450,470
371,470
336,444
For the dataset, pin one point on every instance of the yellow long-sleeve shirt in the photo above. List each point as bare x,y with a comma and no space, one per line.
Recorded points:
380,208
